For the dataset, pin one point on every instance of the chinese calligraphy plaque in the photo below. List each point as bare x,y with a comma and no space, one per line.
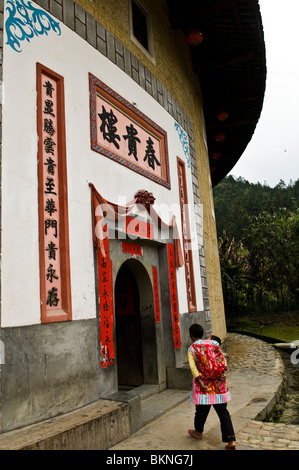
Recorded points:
53,220
124,134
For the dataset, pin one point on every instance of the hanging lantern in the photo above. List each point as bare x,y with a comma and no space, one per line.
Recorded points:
212,169
222,115
220,137
194,37
215,155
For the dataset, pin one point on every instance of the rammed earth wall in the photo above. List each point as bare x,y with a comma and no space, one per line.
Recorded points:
167,81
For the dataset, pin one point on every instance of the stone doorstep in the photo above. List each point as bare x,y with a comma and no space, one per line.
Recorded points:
157,405
133,399
97,426
148,402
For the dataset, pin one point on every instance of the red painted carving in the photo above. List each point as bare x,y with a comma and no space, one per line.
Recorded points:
144,197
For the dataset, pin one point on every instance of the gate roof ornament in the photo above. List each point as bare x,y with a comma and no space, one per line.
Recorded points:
144,197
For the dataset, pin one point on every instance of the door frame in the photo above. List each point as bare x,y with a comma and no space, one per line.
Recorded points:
147,320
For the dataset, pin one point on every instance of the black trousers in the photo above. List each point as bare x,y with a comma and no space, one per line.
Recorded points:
201,414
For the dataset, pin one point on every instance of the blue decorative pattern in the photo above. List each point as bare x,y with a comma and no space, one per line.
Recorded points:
184,141
26,21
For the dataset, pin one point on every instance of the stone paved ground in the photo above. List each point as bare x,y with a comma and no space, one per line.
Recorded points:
269,436
255,376
257,358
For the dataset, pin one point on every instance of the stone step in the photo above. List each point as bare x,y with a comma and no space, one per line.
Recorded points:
158,404
97,426
148,402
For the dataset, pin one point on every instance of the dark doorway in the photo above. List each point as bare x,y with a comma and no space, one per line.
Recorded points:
128,329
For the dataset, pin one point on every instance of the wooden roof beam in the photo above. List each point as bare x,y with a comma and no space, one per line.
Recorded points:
232,61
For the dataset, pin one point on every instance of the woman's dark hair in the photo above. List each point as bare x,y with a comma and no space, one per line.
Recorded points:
196,331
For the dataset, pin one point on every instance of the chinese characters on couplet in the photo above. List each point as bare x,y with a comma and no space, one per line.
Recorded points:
156,294
55,281
50,193
173,296
105,304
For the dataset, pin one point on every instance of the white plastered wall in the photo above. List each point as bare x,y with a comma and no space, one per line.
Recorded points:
73,58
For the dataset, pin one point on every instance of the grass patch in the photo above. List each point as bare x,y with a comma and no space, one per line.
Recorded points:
284,327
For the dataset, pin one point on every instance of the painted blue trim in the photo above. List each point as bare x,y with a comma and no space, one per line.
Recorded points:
26,21
184,141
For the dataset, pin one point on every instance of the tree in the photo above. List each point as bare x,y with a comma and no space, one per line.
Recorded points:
234,269
258,230
273,249
237,201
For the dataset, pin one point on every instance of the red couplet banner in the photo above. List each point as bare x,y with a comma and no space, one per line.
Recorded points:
106,304
173,297
156,294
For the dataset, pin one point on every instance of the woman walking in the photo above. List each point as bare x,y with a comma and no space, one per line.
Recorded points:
208,368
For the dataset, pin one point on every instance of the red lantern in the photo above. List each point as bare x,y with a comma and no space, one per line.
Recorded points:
193,37
212,169
216,155
219,137
222,115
